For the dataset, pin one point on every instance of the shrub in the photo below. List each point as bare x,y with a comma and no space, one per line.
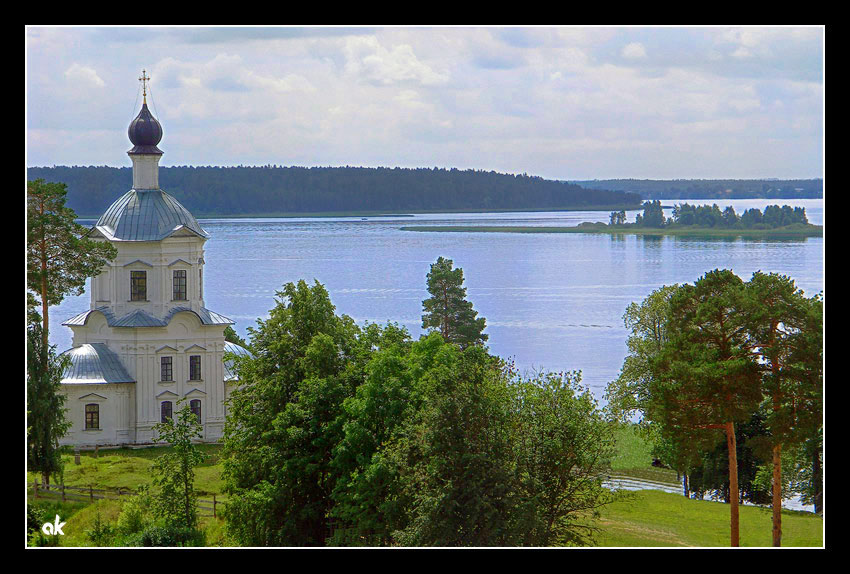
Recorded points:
102,533
161,535
135,514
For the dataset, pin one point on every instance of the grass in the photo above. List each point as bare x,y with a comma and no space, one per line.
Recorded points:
789,232
131,468
634,457
652,518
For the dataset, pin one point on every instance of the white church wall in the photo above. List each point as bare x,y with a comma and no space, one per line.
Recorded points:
115,420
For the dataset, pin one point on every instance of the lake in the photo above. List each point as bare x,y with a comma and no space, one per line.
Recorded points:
552,301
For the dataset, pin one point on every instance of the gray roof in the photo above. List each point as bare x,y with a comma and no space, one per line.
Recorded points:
146,215
229,373
140,318
94,363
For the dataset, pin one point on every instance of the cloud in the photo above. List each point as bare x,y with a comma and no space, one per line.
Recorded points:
226,73
634,51
557,102
85,75
368,60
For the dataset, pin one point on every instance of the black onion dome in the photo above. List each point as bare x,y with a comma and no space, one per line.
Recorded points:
145,132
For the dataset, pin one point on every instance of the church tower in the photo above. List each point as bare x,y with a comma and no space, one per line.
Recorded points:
147,340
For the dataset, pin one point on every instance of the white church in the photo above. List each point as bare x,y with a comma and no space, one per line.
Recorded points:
147,340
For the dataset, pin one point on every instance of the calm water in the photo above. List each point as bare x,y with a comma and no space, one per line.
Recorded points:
551,301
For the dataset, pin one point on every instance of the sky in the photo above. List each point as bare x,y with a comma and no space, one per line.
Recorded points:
561,103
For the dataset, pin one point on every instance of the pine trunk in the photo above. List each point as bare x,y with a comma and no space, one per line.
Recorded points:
777,495
733,482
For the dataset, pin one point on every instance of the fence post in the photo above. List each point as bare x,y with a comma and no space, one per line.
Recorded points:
63,491
214,516
91,493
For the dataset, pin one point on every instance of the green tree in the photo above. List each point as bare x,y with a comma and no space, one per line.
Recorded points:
776,318
653,214
231,336
286,418
175,499
455,460
60,256
46,422
628,395
562,445
447,310
705,379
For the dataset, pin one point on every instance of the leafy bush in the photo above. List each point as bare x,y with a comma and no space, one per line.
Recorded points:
135,514
161,535
102,533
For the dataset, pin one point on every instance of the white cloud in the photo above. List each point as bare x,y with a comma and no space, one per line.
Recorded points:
634,51
367,59
558,102
84,75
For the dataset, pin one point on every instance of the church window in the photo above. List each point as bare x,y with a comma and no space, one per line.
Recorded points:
93,417
195,405
180,285
138,286
165,367
195,368
165,411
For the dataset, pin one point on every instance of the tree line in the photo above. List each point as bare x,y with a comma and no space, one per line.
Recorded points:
685,215
713,188
242,190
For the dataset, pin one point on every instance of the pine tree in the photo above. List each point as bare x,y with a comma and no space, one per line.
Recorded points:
60,257
45,404
448,310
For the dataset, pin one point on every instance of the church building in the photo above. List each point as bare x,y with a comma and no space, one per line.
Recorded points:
147,339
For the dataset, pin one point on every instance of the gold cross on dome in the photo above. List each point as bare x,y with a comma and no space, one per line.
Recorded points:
144,79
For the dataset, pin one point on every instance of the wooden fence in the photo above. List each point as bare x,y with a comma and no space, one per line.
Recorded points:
90,494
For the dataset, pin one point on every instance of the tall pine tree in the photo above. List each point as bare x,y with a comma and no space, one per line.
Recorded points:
447,310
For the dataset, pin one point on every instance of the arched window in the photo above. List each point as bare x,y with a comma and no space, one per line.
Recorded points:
92,416
165,411
195,405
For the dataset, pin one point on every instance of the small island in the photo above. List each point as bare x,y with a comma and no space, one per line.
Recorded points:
688,220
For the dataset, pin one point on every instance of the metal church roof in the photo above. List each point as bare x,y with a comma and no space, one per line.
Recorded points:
146,215
140,318
229,373
94,363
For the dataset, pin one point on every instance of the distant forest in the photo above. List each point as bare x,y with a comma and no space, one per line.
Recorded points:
713,188
220,191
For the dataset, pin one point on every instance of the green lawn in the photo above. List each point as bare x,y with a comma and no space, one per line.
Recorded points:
652,518
131,468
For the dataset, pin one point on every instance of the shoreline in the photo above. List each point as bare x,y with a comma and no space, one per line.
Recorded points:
601,228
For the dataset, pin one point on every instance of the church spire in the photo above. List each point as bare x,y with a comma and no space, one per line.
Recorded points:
143,80
145,133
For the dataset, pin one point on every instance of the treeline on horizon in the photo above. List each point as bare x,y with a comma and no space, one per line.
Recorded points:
713,188
685,214
244,190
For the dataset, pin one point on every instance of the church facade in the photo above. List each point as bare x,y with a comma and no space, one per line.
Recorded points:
147,340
